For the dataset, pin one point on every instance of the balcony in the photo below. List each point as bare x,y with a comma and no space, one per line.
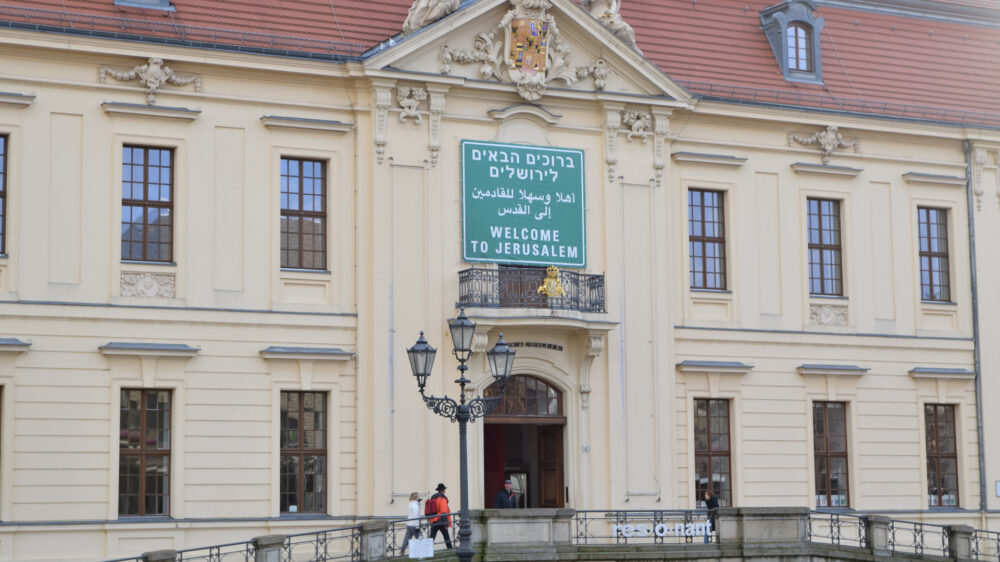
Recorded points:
518,288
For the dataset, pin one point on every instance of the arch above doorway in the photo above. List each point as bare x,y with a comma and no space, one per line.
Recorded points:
526,396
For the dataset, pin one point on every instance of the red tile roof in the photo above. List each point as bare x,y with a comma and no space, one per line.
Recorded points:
871,62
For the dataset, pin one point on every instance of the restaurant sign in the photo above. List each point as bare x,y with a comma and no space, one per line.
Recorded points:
522,204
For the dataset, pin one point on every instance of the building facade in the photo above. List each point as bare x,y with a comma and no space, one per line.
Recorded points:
220,235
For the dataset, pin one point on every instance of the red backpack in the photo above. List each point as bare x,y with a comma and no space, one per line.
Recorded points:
430,506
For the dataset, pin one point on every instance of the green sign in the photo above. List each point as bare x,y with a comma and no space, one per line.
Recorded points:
522,204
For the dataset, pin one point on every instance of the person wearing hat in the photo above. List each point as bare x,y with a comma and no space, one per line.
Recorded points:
441,508
412,521
506,499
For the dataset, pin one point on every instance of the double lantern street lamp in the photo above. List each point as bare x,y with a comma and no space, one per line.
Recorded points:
500,359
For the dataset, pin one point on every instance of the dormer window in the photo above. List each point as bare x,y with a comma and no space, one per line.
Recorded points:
798,38
793,32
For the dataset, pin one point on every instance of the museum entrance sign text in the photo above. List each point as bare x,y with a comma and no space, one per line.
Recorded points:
522,204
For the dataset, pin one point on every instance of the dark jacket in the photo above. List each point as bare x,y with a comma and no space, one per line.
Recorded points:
441,503
712,504
505,500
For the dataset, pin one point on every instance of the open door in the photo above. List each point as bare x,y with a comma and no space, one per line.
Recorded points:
550,464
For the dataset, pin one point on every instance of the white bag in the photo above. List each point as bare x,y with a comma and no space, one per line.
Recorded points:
421,548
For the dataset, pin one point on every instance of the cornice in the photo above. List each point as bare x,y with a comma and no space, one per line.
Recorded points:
306,353
142,349
715,159
834,370
824,169
941,373
282,122
17,100
135,109
13,345
733,367
934,179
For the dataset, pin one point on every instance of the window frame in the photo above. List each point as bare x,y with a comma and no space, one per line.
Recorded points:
826,454
936,457
821,248
143,453
704,241
801,34
301,214
146,204
301,452
932,256
727,499
4,219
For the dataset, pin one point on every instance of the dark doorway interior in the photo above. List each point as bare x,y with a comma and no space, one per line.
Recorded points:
531,456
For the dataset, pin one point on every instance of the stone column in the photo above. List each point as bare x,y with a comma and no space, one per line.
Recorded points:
269,547
373,541
160,556
877,534
960,542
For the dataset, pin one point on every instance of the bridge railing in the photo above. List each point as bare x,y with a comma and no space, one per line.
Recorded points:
839,529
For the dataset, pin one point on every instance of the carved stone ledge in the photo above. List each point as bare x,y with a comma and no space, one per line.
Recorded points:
17,100
179,113
715,159
281,122
148,285
934,179
807,168
828,314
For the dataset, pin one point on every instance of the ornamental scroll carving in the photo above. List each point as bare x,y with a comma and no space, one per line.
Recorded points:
525,49
151,75
607,12
828,315
409,99
639,124
828,141
148,285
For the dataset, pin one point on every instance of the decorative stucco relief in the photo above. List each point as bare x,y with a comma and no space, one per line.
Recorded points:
607,12
661,130
828,315
611,127
437,110
148,285
827,140
530,55
151,75
409,99
425,12
638,123
978,161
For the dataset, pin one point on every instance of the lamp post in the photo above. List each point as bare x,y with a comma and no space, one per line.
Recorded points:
500,359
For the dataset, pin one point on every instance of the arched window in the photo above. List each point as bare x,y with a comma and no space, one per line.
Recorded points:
525,395
798,39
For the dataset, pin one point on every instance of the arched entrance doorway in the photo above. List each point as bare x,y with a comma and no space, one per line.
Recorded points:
523,441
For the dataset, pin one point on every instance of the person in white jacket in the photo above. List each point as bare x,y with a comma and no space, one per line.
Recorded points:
412,521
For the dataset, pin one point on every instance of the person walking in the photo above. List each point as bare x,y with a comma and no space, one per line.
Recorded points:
412,521
506,499
711,503
442,522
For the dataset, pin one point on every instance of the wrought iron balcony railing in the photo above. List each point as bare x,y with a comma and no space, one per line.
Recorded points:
518,288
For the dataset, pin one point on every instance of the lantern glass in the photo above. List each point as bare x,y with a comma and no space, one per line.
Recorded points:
501,360
421,357
462,330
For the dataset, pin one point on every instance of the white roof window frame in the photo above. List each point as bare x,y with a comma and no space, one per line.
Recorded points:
775,22
148,4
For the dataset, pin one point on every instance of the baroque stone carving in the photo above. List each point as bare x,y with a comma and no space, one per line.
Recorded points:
978,161
531,54
425,12
611,128
437,110
409,99
638,123
607,12
828,315
661,129
152,75
148,285
828,141
383,95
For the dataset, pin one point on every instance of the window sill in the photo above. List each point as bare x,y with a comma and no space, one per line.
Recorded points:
829,297
939,303
712,291
156,263
303,516
144,519
295,270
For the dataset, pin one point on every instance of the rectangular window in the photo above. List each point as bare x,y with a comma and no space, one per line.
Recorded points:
303,214
303,452
144,453
711,450
3,194
706,239
933,233
147,204
942,458
824,247
830,452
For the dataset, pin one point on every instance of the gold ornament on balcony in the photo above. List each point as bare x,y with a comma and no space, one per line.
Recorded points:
551,286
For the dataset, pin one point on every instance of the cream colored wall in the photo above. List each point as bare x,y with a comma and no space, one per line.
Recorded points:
61,290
